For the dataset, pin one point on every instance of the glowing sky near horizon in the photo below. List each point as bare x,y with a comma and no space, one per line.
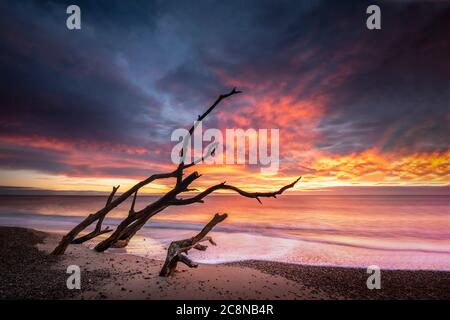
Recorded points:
88,109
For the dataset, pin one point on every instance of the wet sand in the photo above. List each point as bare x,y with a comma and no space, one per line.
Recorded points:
27,271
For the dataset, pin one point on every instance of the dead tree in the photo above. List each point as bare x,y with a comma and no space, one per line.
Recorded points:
178,250
137,219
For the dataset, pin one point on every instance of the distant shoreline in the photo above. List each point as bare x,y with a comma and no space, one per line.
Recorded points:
29,272
386,190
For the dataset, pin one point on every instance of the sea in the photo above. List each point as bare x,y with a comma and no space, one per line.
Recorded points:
392,232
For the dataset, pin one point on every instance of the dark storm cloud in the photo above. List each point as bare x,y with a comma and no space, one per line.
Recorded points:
387,89
26,158
399,95
65,85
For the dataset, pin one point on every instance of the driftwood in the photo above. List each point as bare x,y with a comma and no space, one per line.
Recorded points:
98,227
71,235
135,220
178,250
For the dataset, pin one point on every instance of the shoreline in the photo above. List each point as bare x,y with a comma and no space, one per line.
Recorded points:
29,272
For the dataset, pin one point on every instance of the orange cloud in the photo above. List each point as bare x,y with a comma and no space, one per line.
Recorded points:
374,168
41,142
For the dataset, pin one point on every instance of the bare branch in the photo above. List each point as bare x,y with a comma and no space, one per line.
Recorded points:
222,186
111,196
211,108
209,152
71,235
187,261
98,228
200,247
91,235
211,224
176,250
131,211
187,139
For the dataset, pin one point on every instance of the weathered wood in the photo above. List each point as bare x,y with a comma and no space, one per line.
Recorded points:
177,249
91,235
70,236
135,220
224,186
98,228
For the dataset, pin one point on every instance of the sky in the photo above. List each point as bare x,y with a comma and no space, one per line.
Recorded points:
83,110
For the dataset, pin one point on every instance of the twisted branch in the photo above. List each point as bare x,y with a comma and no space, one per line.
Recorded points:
223,186
177,249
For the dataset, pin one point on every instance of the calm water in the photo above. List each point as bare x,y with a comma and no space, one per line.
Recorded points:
406,232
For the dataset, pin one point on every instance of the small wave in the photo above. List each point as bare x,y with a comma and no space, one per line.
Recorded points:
283,232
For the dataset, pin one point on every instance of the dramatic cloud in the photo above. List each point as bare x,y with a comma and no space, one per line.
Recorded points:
353,106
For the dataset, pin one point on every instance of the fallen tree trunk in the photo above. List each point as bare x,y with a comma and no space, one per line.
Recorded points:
179,249
71,235
135,220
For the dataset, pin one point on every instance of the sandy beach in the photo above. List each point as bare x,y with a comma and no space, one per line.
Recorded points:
27,271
